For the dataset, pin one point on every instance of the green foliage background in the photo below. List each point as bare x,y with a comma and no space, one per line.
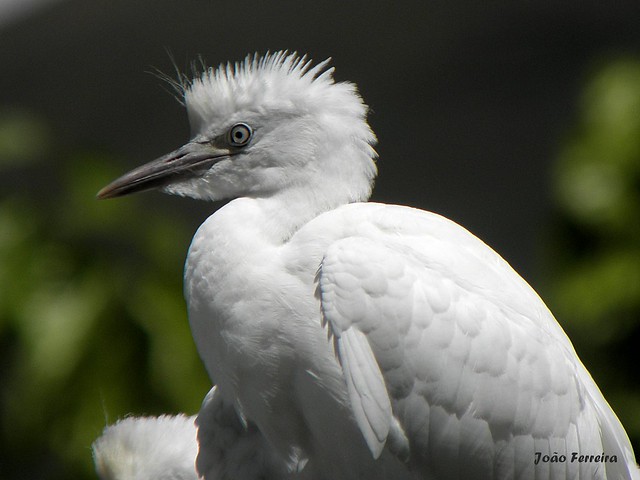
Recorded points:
93,324
594,249
92,321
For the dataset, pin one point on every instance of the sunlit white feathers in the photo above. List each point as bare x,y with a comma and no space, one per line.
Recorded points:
278,82
443,363
147,448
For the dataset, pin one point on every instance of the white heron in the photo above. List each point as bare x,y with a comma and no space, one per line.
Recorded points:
441,363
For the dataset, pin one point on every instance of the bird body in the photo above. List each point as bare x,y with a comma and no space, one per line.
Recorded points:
271,357
361,340
461,341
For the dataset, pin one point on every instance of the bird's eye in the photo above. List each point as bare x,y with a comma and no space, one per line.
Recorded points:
240,134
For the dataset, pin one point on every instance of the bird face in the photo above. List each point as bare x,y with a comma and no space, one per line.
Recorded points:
258,128
253,157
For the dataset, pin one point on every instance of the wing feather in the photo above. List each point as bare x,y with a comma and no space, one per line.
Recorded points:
366,388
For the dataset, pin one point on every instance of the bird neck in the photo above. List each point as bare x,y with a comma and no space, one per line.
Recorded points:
336,180
280,216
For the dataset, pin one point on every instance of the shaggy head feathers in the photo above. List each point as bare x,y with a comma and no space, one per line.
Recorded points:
280,82
309,136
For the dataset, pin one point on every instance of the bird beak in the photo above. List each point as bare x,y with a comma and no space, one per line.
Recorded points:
189,160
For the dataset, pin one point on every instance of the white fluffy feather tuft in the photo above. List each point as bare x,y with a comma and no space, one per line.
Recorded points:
279,82
147,448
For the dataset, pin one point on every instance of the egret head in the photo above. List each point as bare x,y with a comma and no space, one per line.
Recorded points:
261,127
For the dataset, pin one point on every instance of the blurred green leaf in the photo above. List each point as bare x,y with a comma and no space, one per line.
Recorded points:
595,291
597,173
91,310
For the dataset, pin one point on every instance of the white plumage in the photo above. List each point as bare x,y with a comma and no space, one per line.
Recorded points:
236,449
443,363
165,448
147,448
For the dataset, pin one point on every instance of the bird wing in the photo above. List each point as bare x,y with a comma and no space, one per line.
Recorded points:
444,347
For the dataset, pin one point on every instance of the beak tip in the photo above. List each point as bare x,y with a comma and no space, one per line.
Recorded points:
104,193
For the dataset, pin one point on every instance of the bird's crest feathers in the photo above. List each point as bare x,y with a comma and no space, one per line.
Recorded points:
280,81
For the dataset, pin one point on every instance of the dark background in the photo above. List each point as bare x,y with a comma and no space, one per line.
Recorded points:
472,103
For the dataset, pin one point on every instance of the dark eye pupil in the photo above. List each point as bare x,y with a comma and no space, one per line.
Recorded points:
239,135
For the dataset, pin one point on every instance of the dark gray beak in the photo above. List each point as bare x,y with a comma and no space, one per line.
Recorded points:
188,161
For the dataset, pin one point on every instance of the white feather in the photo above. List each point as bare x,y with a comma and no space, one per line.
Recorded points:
147,448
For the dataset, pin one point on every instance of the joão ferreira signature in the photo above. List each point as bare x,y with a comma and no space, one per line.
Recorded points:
574,457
